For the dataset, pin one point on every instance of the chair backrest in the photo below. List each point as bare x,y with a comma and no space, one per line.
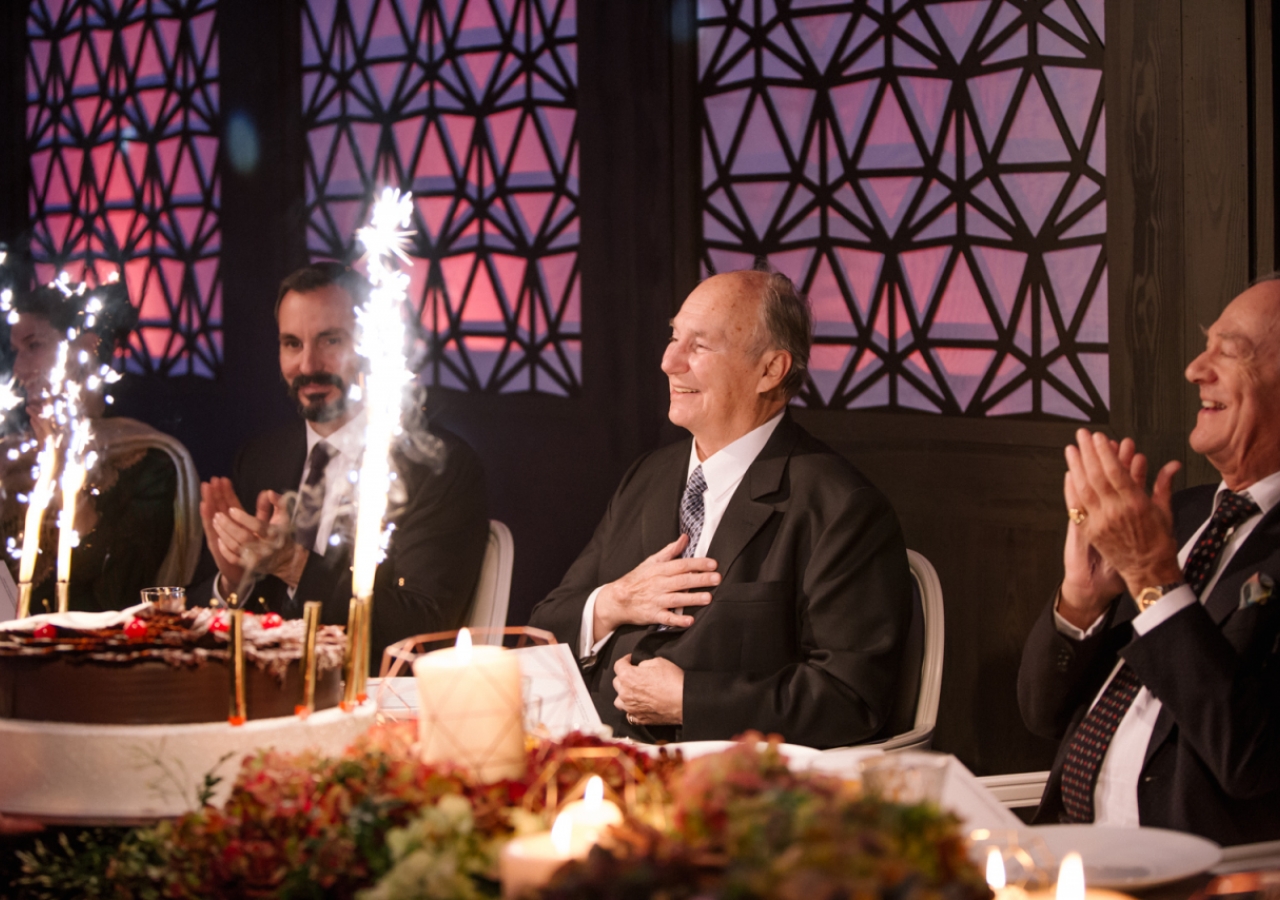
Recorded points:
920,682
124,436
493,590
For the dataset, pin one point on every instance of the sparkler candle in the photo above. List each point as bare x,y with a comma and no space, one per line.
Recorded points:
41,494
74,470
311,625
382,343
238,713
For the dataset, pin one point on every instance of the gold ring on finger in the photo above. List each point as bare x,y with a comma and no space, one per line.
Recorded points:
1076,515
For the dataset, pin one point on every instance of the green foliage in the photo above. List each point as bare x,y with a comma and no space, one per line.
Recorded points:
441,855
93,863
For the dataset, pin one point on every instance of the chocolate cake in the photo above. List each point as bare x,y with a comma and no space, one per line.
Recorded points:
173,668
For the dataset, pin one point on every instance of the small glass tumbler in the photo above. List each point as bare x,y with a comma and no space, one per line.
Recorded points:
166,599
907,777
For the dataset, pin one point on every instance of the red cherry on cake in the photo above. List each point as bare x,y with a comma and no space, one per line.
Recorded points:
219,624
45,631
135,629
272,620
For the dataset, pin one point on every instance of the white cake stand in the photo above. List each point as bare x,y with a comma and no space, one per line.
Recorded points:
65,773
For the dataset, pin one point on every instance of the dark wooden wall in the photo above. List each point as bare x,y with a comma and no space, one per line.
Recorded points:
1191,218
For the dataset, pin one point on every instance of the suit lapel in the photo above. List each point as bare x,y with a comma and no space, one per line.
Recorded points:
1224,598
1260,544
660,517
746,514
1159,733
287,465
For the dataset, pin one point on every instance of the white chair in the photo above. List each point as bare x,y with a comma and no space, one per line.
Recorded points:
493,590
1018,789
924,649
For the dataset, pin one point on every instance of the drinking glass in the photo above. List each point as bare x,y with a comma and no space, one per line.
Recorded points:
167,599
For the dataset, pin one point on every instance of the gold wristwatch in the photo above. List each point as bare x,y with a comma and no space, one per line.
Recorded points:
1149,595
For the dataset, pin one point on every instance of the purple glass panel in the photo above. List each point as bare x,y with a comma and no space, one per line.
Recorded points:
472,107
932,175
123,119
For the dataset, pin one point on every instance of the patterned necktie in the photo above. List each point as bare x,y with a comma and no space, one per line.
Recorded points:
692,516
1090,742
311,499
692,511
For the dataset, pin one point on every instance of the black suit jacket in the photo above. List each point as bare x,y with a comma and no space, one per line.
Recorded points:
433,562
1213,763
804,634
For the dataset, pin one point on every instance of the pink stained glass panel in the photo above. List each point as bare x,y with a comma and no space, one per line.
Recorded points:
929,206
494,178
118,214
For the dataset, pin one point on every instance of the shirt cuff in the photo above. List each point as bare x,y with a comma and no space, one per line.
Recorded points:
1073,631
1169,605
587,646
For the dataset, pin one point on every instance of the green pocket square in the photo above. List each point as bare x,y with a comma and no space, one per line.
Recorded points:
1257,590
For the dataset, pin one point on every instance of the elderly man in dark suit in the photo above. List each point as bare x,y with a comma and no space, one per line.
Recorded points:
1159,661
750,578
433,561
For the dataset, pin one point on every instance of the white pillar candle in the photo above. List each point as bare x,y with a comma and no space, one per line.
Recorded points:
471,712
527,863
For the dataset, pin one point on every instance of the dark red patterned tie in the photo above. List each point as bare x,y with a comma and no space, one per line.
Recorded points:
1090,742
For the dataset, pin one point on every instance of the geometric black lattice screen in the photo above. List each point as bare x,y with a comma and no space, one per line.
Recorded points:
122,130
471,106
931,174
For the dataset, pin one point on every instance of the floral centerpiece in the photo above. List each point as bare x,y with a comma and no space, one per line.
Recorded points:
379,825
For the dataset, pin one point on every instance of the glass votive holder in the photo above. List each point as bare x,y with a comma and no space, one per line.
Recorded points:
1026,859
166,599
908,777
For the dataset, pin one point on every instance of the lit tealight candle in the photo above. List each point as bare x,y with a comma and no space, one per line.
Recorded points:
527,863
471,710
590,816
1071,884
997,879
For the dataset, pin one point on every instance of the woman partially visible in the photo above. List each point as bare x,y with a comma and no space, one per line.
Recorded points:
130,514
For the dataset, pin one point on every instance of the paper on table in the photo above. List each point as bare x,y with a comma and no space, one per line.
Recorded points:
555,695
553,683
962,792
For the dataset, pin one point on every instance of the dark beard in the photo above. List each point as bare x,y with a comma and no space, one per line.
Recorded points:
319,410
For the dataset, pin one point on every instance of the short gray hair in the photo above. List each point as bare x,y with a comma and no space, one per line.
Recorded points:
788,325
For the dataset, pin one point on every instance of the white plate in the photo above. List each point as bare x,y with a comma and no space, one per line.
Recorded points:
1131,857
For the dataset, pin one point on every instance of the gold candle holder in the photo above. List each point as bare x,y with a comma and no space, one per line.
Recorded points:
362,674
24,600
64,596
239,713
351,667
311,624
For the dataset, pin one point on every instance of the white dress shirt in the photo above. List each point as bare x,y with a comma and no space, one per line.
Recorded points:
723,471
1115,796
347,446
